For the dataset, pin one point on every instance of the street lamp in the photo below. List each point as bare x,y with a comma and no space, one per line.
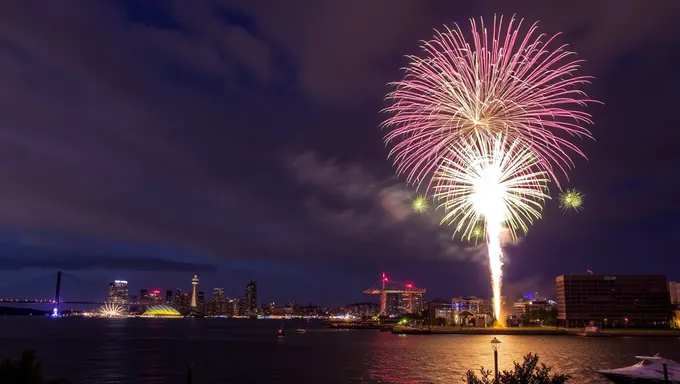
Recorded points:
495,344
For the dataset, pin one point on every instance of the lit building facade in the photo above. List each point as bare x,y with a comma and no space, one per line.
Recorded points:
118,292
144,297
235,305
674,289
182,302
218,305
155,297
251,299
613,300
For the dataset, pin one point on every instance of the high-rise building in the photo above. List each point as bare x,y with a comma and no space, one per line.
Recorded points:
393,304
235,305
674,288
194,285
118,292
219,303
155,297
613,300
168,296
144,297
251,299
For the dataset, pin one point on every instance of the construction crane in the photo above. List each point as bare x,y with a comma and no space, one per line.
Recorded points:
408,289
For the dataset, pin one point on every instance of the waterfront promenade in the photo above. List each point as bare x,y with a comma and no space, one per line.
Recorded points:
554,331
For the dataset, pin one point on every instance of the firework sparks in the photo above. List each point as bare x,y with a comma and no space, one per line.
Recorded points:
494,181
111,310
487,122
420,204
477,233
571,199
500,83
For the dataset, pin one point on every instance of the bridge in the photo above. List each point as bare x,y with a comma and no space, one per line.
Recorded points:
387,286
57,301
29,301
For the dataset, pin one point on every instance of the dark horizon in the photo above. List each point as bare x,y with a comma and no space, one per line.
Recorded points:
240,140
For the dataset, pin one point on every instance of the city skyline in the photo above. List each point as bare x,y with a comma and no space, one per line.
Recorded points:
258,154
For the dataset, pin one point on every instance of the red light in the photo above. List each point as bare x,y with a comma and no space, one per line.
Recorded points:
156,292
409,285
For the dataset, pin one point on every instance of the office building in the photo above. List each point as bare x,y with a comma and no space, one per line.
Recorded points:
674,288
235,305
392,305
118,292
144,297
155,297
182,302
251,299
168,296
613,300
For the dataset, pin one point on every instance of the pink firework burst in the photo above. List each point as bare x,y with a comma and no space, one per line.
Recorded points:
503,83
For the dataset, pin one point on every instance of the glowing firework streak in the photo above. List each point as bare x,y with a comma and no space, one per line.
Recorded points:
420,204
504,82
494,181
571,199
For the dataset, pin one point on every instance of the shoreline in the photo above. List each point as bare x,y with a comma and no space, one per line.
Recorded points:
542,332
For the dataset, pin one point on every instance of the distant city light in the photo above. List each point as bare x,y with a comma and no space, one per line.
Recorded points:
120,281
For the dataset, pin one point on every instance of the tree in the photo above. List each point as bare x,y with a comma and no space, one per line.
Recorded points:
28,370
529,372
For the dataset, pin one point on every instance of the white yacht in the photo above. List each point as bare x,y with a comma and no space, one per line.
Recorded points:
648,370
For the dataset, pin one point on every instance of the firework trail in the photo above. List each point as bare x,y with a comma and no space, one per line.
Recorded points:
495,181
502,90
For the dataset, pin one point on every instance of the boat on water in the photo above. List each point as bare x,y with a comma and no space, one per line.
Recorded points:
648,370
281,332
301,330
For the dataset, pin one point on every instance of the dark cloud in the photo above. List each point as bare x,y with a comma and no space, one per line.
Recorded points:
89,262
248,131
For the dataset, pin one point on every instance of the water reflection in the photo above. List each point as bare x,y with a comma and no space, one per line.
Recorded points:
102,351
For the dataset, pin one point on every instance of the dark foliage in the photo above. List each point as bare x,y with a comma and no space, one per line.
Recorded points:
27,370
529,372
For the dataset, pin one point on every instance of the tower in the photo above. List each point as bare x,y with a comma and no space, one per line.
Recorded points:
194,283
56,310
383,297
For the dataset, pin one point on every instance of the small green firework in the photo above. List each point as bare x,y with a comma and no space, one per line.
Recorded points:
420,204
571,199
477,233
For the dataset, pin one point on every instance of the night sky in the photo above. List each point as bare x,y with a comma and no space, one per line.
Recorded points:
240,140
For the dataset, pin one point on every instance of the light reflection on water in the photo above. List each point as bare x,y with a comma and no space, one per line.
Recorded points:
146,351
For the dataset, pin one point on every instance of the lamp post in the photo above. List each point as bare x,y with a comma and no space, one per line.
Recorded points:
495,344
